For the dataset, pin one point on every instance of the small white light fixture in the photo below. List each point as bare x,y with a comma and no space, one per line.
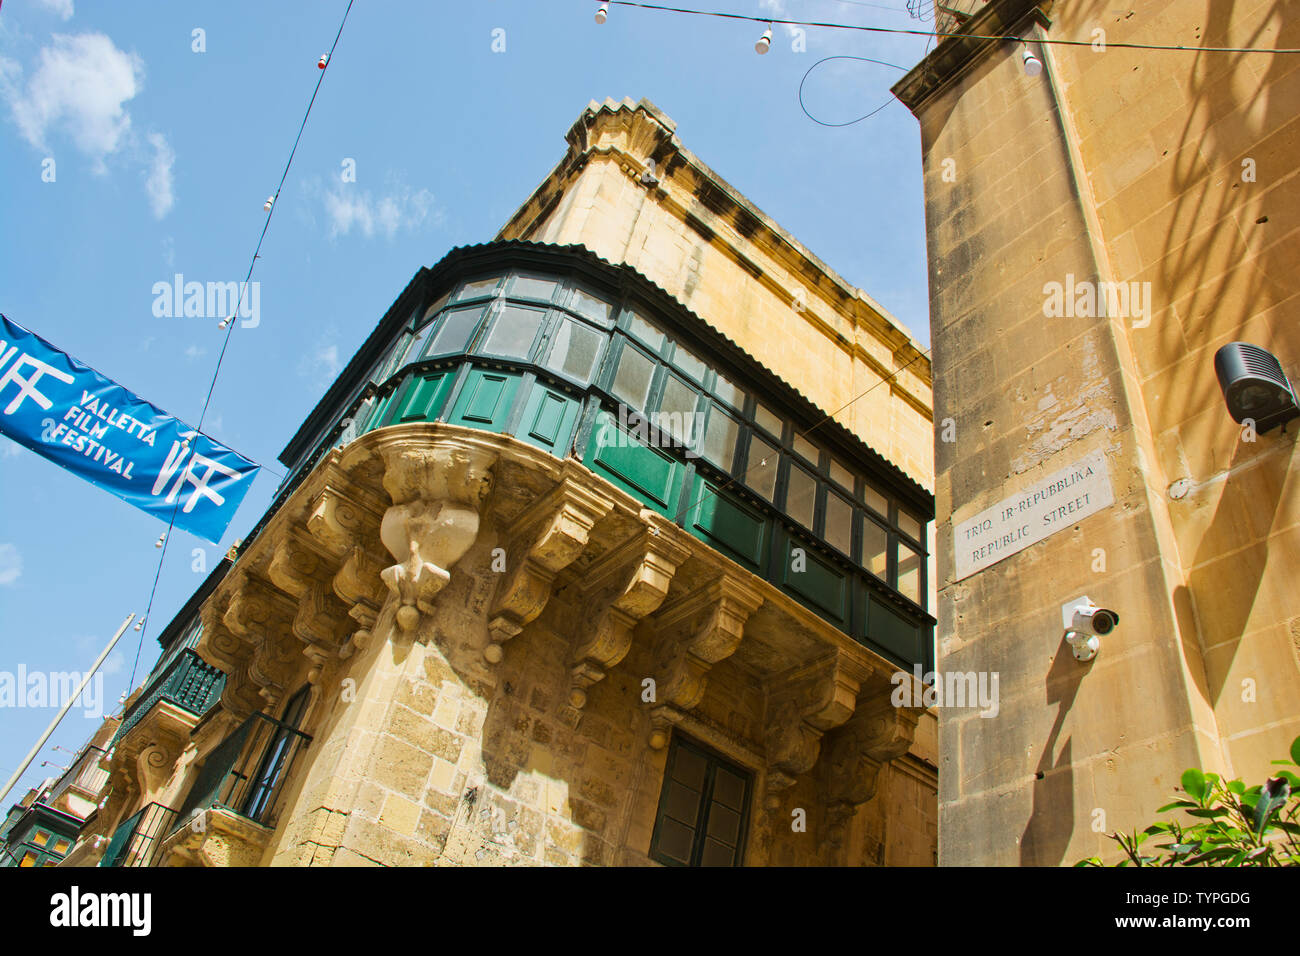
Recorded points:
139,625
267,205
224,322
602,13
1033,65
161,538
764,42
321,63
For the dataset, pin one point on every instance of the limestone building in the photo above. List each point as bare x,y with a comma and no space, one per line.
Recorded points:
572,565
1098,228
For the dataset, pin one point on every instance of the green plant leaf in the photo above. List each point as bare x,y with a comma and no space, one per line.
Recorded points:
1194,784
1237,787
1275,792
1177,804
1295,751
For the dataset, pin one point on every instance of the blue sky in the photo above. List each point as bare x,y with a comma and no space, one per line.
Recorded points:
163,156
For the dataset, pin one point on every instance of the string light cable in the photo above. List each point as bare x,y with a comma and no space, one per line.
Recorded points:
900,31
230,323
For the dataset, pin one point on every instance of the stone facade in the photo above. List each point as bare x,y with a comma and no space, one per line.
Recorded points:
1170,170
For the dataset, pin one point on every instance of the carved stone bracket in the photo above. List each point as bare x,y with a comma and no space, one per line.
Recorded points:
543,541
240,636
692,635
301,568
799,714
622,587
437,492
876,734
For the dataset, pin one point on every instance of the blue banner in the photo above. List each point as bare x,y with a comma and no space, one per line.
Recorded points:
95,428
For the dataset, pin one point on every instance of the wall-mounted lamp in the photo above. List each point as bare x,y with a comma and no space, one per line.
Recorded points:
1254,386
1033,65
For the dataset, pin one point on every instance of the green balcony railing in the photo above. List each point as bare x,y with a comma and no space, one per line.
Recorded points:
136,840
188,681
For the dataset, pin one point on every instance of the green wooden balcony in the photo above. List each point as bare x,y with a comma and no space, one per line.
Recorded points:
187,681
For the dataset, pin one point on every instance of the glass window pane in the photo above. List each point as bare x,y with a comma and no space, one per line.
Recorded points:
760,468
875,548
717,854
584,303
729,393
532,287
876,501
477,288
729,789
575,350
839,523
807,449
689,363
646,331
514,331
909,573
720,439
801,496
454,331
633,378
434,309
41,838
909,525
841,475
689,767
677,409
767,419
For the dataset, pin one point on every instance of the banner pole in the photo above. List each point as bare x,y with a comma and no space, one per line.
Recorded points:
67,705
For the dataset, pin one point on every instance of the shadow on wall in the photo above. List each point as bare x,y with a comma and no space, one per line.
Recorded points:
1051,822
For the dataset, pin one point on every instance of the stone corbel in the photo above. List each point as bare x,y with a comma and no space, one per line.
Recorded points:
621,588
544,540
800,712
875,735
359,585
692,635
437,492
300,568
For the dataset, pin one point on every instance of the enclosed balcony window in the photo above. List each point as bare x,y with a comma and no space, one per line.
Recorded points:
633,379
839,523
532,287
677,409
478,288
729,393
909,573
761,466
720,435
807,449
875,501
591,306
514,331
575,350
768,420
875,548
909,525
841,476
801,496
453,331
645,332
689,363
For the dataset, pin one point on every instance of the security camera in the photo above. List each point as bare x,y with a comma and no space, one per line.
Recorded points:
1085,623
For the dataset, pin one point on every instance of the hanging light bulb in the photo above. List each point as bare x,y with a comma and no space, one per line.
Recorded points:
161,538
139,625
267,205
764,42
320,64
602,13
224,322
1033,65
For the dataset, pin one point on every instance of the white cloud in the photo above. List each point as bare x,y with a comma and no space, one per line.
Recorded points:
80,86
61,7
11,564
405,209
321,364
158,182
193,352
9,448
